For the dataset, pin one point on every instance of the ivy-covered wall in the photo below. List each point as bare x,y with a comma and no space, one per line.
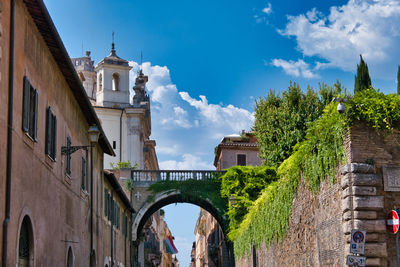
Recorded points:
315,159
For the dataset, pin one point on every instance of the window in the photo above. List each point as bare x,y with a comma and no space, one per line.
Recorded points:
29,109
114,144
83,176
115,82
100,82
68,157
51,134
241,160
116,215
110,207
106,201
125,225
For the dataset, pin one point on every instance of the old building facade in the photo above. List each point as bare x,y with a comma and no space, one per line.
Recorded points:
237,149
51,180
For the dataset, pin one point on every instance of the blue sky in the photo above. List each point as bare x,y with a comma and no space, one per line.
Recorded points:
208,61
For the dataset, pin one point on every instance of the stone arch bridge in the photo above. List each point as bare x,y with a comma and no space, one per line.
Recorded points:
146,202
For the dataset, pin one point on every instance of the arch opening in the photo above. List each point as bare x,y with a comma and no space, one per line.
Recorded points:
164,199
25,244
70,258
115,82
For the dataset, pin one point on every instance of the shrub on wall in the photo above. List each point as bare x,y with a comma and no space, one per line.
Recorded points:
281,121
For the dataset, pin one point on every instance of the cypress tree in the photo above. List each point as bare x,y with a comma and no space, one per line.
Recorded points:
362,79
398,80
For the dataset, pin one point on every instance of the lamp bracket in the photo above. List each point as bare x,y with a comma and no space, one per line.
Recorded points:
71,149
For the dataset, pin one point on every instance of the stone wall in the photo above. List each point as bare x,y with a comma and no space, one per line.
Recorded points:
320,225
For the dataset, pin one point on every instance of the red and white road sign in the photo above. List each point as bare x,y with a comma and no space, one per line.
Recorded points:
392,221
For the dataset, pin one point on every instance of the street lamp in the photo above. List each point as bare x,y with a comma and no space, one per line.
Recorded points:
94,134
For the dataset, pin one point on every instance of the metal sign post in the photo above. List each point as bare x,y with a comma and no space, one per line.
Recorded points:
357,247
397,250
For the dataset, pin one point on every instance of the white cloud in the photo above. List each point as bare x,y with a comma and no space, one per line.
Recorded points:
168,150
369,28
186,130
189,162
215,115
295,68
268,9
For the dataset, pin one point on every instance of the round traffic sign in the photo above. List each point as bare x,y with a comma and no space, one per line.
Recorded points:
392,221
358,237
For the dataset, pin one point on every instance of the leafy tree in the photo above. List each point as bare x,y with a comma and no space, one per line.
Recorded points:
398,80
281,120
362,79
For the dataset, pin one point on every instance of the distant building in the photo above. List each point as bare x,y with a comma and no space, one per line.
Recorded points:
210,247
193,255
126,121
237,149
127,124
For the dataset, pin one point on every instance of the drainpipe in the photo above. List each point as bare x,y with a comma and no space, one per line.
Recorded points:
9,134
120,136
125,236
91,205
112,226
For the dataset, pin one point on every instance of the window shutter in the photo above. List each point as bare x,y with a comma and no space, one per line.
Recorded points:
68,167
83,173
48,130
54,138
35,111
25,105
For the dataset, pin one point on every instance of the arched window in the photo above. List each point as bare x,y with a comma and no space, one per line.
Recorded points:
115,82
25,247
70,258
100,82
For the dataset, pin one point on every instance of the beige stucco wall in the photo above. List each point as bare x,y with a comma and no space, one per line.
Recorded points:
229,157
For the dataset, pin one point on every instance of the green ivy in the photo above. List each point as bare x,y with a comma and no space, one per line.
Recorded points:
317,157
208,189
244,184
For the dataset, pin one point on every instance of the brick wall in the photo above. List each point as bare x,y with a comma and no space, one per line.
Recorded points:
320,224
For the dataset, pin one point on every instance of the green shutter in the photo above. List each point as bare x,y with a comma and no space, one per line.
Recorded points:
54,138
35,116
68,157
48,131
83,173
25,105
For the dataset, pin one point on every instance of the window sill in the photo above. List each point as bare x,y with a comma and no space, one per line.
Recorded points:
49,161
67,179
28,140
84,194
